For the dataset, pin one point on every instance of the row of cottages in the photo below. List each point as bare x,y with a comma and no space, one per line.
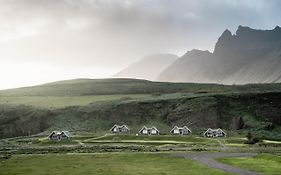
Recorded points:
123,129
60,135
214,133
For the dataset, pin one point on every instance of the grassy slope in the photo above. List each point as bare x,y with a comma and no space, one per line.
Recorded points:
63,101
80,87
196,112
106,87
136,103
265,163
103,164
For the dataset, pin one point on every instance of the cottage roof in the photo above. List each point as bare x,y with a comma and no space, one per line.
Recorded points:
114,126
219,129
208,130
147,128
214,130
67,133
125,126
54,132
144,127
153,127
175,127
184,127
120,126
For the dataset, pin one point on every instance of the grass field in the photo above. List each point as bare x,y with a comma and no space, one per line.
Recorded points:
63,101
103,164
268,164
152,138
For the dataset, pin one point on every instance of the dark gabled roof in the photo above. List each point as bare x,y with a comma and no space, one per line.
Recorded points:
120,126
214,130
175,127
209,129
114,127
184,127
153,127
67,133
54,132
144,127
125,126
219,129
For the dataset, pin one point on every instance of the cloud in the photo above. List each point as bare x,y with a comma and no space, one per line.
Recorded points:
110,34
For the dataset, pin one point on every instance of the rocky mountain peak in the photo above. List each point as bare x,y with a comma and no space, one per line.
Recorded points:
248,56
196,52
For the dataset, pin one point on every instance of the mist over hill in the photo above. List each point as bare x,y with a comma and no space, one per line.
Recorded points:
249,56
149,67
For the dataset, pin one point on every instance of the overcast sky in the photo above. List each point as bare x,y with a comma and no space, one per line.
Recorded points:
48,40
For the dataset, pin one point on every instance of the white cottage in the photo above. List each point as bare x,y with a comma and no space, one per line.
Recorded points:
117,129
214,133
65,135
60,135
55,135
149,131
180,130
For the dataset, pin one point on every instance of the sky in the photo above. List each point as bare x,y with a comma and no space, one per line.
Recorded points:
49,40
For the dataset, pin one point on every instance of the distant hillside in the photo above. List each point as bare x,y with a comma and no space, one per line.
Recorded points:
148,67
114,86
249,56
191,67
84,87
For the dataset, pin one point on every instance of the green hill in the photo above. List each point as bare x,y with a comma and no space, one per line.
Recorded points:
85,87
137,103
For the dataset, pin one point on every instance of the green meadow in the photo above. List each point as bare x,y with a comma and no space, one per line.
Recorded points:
64,101
268,164
103,164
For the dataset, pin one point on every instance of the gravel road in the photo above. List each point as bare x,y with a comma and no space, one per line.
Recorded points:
208,159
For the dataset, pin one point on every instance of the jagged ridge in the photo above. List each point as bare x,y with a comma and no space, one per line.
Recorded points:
249,56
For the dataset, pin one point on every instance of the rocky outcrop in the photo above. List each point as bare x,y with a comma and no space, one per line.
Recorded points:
249,56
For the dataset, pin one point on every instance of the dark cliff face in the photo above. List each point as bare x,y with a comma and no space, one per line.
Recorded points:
249,56
248,43
224,43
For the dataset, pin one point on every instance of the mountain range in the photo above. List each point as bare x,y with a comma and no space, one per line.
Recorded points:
149,67
248,56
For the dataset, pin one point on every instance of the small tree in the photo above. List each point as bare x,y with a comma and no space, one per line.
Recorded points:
251,139
249,136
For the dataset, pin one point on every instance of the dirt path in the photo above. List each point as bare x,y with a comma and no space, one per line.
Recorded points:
208,159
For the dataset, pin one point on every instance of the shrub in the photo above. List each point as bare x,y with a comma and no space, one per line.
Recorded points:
251,139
